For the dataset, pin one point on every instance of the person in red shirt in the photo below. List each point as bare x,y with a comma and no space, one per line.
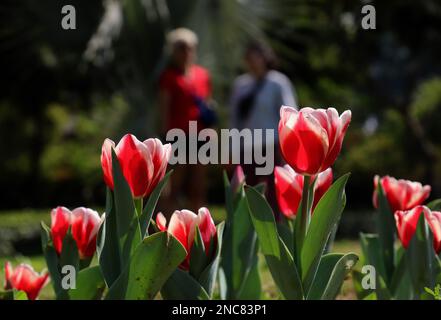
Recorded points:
182,86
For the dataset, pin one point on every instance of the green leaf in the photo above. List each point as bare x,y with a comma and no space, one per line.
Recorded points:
69,252
90,285
277,255
127,224
421,258
434,205
198,257
239,248
252,287
386,231
108,244
262,218
182,286
151,264
332,271
326,215
147,213
52,262
370,244
207,279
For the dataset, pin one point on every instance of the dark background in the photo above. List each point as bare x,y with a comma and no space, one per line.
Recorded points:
62,92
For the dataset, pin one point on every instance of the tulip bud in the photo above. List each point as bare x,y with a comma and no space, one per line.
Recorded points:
400,194
84,224
311,139
143,164
183,225
289,186
238,178
24,278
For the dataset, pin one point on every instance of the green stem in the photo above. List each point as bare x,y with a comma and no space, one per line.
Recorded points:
302,222
138,206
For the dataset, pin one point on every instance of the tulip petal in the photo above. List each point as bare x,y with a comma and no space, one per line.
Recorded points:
289,187
136,164
207,227
323,183
85,226
24,278
434,220
161,221
106,161
407,223
60,222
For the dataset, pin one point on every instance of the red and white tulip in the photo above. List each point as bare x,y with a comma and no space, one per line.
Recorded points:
407,222
183,225
289,187
143,164
84,224
401,194
311,139
24,278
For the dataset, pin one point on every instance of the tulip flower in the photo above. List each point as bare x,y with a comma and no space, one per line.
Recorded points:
143,164
311,139
407,223
238,178
401,194
289,186
84,224
433,219
24,278
183,225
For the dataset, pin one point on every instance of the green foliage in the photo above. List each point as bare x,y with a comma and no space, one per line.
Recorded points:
239,277
150,265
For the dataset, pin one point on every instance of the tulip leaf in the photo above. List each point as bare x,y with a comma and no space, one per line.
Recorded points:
208,277
182,286
69,252
251,285
198,257
386,232
435,205
371,246
127,224
196,285
239,248
151,264
108,245
326,215
277,255
52,262
90,285
400,285
147,213
421,258
332,271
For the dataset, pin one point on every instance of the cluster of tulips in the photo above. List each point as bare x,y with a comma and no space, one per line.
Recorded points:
411,268
139,256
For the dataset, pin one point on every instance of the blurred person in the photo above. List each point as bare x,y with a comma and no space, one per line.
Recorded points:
255,102
184,95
